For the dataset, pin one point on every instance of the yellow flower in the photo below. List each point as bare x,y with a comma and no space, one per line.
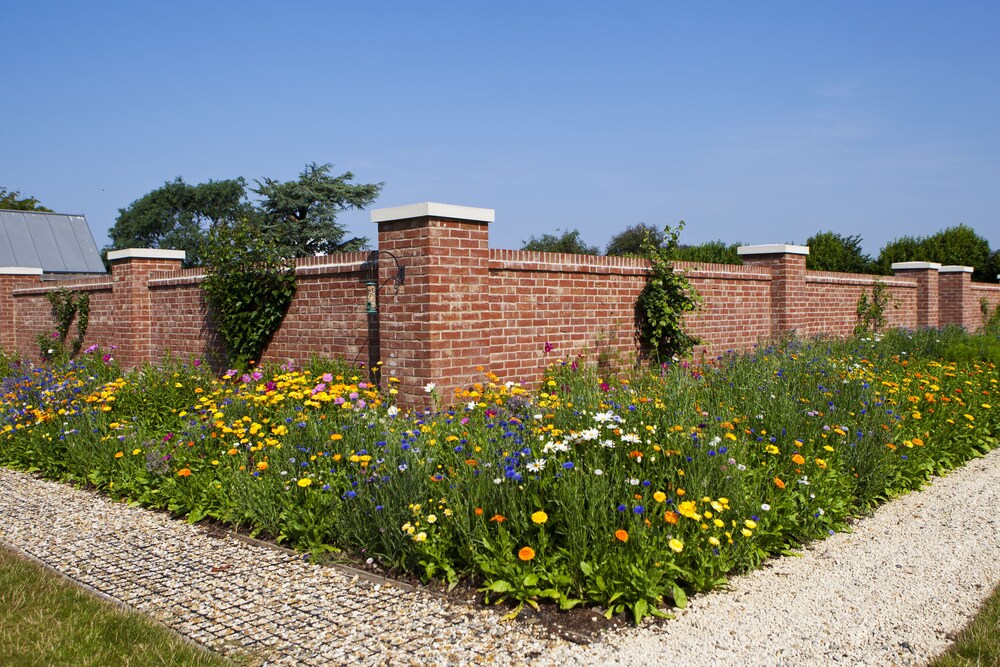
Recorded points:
539,517
750,523
136,451
304,482
714,541
746,532
262,466
820,463
118,455
687,508
676,545
526,553
970,418
659,496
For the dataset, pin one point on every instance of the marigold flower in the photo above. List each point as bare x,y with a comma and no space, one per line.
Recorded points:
659,496
479,511
499,518
118,455
262,466
797,459
539,517
304,482
676,545
778,483
820,463
526,553
184,472
670,517
621,535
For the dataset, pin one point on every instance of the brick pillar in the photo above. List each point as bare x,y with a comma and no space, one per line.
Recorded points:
13,278
435,327
133,314
958,305
928,294
787,264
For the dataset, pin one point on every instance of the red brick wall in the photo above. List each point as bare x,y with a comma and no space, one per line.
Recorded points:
464,305
979,292
832,302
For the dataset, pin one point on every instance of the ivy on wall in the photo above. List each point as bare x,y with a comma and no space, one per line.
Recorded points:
67,306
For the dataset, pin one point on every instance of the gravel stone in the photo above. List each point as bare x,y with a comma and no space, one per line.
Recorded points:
892,592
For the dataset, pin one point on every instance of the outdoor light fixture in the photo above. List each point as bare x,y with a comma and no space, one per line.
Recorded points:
372,286
370,304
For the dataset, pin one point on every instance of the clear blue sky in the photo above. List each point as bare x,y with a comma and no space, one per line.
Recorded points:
759,122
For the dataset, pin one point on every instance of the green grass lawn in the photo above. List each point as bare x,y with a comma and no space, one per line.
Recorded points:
45,620
979,642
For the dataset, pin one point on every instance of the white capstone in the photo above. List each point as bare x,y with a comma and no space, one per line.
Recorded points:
19,271
146,253
433,209
773,249
954,268
912,266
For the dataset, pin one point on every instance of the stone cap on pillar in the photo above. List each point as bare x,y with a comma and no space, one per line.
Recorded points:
20,271
954,268
915,266
773,249
146,253
435,210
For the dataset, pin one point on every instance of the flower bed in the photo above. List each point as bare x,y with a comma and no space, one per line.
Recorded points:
623,491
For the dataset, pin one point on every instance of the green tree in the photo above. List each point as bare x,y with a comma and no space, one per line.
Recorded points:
568,242
829,251
959,245
710,252
177,216
630,242
11,200
302,214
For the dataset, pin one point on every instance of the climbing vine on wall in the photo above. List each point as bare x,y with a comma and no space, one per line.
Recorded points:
248,287
667,296
67,307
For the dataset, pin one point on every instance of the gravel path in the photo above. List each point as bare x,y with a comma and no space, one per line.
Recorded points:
890,593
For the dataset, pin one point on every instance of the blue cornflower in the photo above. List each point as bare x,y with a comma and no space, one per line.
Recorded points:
568,465
638,509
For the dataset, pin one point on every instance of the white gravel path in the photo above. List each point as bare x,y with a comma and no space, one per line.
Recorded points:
890,593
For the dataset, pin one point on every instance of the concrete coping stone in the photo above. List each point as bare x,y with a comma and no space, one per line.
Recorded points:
20,271
773,249
915,266
434,210
955,269
146,253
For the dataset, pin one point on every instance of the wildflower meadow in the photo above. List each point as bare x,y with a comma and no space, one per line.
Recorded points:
624,490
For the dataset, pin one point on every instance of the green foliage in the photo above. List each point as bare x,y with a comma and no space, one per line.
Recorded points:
955,246
302,214
248,288
177,215
871,309
629,243
991,321
710,252
667,296
11,200
67,306
567,242
829,251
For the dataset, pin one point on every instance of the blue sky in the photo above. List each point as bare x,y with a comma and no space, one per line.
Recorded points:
759,122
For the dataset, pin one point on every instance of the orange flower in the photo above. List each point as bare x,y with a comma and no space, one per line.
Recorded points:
621,535
526,553
262,466
778,483
184,472
479,511
118,455
797,459
499,518
670,517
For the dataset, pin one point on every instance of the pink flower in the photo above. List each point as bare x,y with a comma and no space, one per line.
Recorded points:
549,347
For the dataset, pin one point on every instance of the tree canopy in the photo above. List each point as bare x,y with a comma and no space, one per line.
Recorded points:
629,242
955,246
568,242
12,200
829,251
299,215
710,252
